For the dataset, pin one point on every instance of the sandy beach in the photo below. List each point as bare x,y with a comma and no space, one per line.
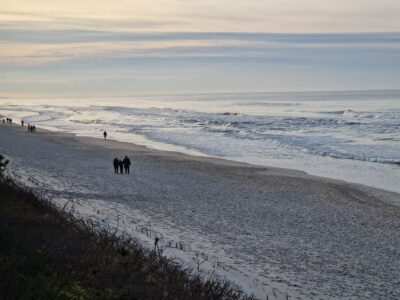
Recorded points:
283,231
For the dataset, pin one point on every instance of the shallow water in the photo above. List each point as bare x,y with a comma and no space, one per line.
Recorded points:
352,136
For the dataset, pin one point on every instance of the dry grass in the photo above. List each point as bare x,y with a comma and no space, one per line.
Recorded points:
47,254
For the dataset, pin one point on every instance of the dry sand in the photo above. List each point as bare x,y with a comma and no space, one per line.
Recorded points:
311,237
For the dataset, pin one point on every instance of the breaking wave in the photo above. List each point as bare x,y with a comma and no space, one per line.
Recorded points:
350,134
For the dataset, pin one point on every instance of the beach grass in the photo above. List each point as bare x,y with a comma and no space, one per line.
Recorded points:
47,254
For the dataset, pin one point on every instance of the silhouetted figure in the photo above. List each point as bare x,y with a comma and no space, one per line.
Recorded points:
121,166
116,165
156,240
31,128
4,121
22,123
127,163
105,135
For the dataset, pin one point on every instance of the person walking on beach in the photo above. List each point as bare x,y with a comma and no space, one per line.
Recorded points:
22,123
121,166
116,165
105,135
127,163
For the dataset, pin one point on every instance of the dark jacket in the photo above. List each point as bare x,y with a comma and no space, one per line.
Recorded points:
127,162
115,162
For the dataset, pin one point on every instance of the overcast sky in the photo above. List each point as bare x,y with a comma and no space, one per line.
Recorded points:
125,47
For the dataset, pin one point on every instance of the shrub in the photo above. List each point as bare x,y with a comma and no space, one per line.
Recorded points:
3,164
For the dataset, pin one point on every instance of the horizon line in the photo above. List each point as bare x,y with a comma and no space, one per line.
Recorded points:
5,97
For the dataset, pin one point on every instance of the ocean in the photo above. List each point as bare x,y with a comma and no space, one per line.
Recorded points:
352,136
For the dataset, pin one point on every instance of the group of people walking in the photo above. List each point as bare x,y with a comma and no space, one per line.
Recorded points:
121,165
7,120
31,128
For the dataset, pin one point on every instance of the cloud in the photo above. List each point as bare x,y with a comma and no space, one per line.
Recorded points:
31,47
280,16
171,45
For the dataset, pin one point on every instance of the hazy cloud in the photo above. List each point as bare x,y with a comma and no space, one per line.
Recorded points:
207,15
77,61
129,46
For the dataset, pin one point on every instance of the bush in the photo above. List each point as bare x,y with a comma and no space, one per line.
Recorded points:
3,164
45,253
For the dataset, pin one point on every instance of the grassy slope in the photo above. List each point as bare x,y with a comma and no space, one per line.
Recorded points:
46,255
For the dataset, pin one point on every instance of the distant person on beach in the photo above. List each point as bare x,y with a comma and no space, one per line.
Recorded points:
22,123
116,165
121,166
127,163
31,128
4,121
105,135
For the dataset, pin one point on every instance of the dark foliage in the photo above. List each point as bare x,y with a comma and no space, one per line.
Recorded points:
3,164
47,254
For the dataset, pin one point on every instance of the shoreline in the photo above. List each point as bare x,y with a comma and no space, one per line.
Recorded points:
209,159
228,162
272,227
366,172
